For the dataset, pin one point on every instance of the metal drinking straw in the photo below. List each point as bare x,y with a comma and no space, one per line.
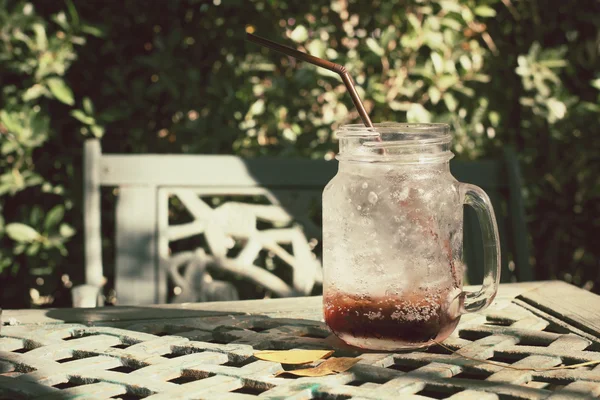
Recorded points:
337,68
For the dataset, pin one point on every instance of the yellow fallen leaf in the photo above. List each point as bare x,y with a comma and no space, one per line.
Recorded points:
328,367
292,356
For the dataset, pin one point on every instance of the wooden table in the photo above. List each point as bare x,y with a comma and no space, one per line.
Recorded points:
205,350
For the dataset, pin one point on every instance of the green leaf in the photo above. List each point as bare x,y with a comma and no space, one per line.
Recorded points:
93,30
62,249
6,188
467,91
467,14
388,35
88,106
447,81
257,108
33,249
19,249
60,90
21,233
414,21
554,63
452,23
82,117
78,40
485,11
438,62
33,180
35,217
466,62
34,92
27,9
97,131
418,113
596,83
8,147
481,78
557,109
399,106
299,34
374,46
494,117
431,22
66,230
451,6
450,101
40,37
591,107
434,94
10,122
54,217
527,101
72,12
61,20
317,48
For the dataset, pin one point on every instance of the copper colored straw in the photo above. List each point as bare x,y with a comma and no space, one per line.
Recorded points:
337,68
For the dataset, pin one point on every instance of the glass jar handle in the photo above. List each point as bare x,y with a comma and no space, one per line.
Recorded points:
475,197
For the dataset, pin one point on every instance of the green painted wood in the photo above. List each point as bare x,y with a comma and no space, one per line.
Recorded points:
501,180
137,274
211,170
520,241
91,204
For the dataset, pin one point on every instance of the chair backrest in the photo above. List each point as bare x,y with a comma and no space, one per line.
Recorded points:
143,235
143,261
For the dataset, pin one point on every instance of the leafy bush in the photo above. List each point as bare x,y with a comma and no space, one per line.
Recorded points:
178,77
35,53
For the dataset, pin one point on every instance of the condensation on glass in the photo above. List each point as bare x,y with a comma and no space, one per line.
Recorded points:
392,236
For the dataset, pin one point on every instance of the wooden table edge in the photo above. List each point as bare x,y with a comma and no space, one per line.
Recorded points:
567,302
536,293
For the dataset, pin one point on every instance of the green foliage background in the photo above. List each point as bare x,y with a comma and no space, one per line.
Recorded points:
178,77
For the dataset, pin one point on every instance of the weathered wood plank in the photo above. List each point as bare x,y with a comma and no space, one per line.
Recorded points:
569,303
91,199
200,388
94,391
137,272
577,390
20,389
162,244
473,395
191,170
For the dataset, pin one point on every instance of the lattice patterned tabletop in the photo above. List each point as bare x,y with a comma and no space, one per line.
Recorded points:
205,351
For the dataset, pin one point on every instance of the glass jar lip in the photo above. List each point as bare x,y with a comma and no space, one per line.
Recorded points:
398,133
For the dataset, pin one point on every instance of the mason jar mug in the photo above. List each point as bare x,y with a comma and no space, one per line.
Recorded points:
392,238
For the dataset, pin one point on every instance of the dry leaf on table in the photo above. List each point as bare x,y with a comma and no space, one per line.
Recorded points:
292,356
328,367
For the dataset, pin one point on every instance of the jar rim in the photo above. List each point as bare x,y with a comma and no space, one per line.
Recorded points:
398,134
406,143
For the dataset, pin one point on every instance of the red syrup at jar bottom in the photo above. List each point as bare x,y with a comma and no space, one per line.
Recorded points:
394,322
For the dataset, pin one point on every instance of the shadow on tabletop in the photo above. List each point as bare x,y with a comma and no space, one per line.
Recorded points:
124,314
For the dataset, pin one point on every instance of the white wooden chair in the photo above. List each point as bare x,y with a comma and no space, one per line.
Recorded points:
144,263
